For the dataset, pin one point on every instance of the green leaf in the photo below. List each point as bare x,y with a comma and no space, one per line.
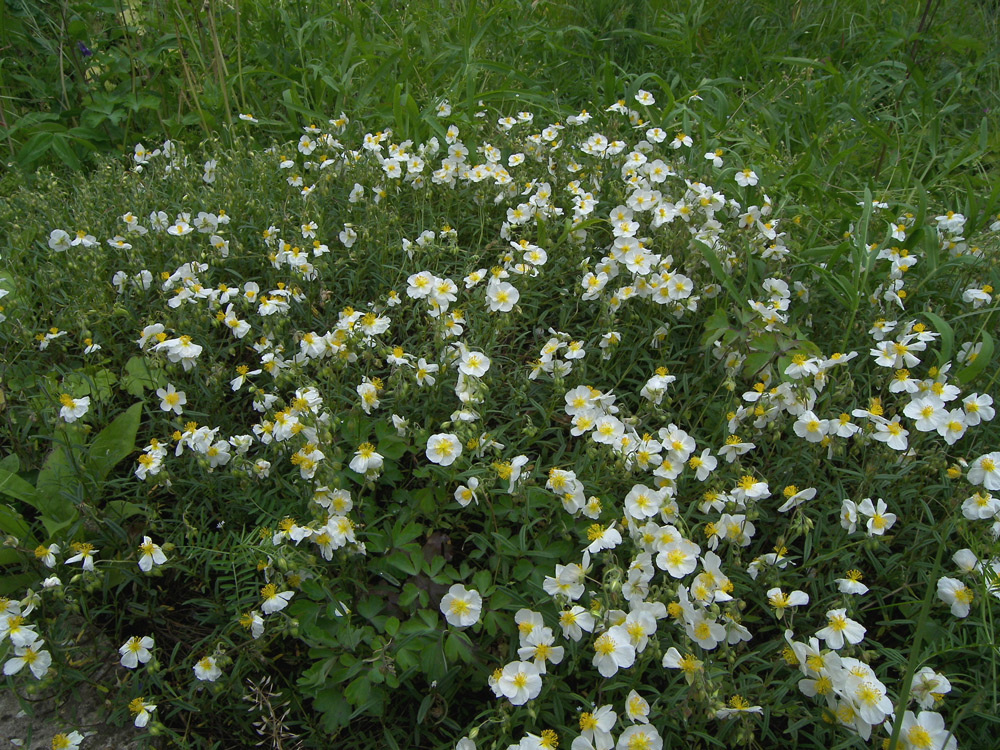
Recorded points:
34,149
62,148
12,522
755,362
359,690
139,376
98,386
57,490
12,584
407,534
719,272
401,562
370,606
392,447
122,510
522,569
947,336
425,706
333,707
13,486
115,442
457,647
970,371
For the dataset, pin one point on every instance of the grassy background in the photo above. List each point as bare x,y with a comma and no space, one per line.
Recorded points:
887,92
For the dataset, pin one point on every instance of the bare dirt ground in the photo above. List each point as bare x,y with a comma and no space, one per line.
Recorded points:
31,721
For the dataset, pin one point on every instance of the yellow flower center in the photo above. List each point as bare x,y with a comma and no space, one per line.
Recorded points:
917,736
739,703
604,645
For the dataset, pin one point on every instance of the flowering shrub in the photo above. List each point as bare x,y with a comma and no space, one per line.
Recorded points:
526,433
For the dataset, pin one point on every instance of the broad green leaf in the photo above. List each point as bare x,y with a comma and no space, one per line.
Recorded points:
115,442
139,376
16,584
58,486
947,336
359,690
719,272
756,362
970,371
122,510
98,386
13,486
11,522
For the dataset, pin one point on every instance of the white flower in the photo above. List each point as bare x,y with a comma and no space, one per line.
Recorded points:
142,710
73,408
985,470
613,649
207,670
928,686
678,558
136,651
891,433
637,708
474,363
779,600
849,515
59,240
810,427
926,731
501,296
274,600
640,736
366,459
150,555
978,408
851,584
796,498
878,520
171,399
575,620
461,607
736,706
840,628
38,661
443,449
69,741
520,682
537,646
955,594
601,538
466,493
703,465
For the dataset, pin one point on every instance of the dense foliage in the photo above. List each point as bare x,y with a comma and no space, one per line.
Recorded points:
480,420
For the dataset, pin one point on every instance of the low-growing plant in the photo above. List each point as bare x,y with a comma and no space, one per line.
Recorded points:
519,431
